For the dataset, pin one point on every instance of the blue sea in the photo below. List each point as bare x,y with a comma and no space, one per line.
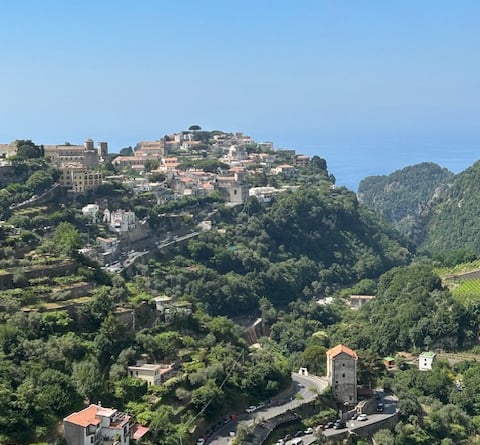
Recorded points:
350,165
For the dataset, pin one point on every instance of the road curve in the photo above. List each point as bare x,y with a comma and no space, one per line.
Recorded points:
304,389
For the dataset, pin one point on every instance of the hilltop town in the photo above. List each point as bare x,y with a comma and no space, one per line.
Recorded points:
192,164
206,287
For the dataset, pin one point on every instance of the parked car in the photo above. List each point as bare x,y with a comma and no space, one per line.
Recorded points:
308,431
297,441
329,425
251,409
201,441
355,416
287,437
362,417
380,407
339,425
280,442
260,405
299,433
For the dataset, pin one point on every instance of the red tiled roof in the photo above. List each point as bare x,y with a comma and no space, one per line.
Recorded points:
85,417
339,349
139,431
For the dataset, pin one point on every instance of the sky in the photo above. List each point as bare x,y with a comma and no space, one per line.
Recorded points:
371,86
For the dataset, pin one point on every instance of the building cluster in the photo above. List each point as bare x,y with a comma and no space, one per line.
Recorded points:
122,224
232,149
79,164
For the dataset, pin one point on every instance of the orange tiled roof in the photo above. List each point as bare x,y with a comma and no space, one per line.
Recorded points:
339,349
85,417
139,431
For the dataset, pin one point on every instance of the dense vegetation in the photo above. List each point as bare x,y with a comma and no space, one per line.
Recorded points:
23,180
306,244
453,224
274,260
404,196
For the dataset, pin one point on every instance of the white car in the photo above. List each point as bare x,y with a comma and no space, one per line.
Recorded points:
308,431
260,405
251,409
201,441
362,417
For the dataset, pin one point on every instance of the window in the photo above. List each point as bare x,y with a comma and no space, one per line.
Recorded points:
343,376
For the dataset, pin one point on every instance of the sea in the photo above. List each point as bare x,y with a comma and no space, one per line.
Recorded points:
351,164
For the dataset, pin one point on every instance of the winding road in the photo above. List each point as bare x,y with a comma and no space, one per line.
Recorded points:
304,389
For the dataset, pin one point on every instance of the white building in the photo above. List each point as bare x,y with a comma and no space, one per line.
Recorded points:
97,425
425,360
153,374
120,221
264,194
91,211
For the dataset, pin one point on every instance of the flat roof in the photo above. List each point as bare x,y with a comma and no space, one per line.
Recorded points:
149,366
85,417
428,354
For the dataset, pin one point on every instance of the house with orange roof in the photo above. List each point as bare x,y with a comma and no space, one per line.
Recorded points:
169,164
342,374
97,425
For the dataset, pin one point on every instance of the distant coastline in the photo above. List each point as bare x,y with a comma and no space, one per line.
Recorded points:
351,165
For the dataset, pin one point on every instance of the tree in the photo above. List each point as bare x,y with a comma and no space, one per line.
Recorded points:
194,128
208,397
26,149
19,278
110,338
126,151
151,164
162,424
314,357
384,437
129,389
87,378
39,181
67,238
157,177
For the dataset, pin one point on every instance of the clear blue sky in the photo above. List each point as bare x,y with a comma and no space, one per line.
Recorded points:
364,84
